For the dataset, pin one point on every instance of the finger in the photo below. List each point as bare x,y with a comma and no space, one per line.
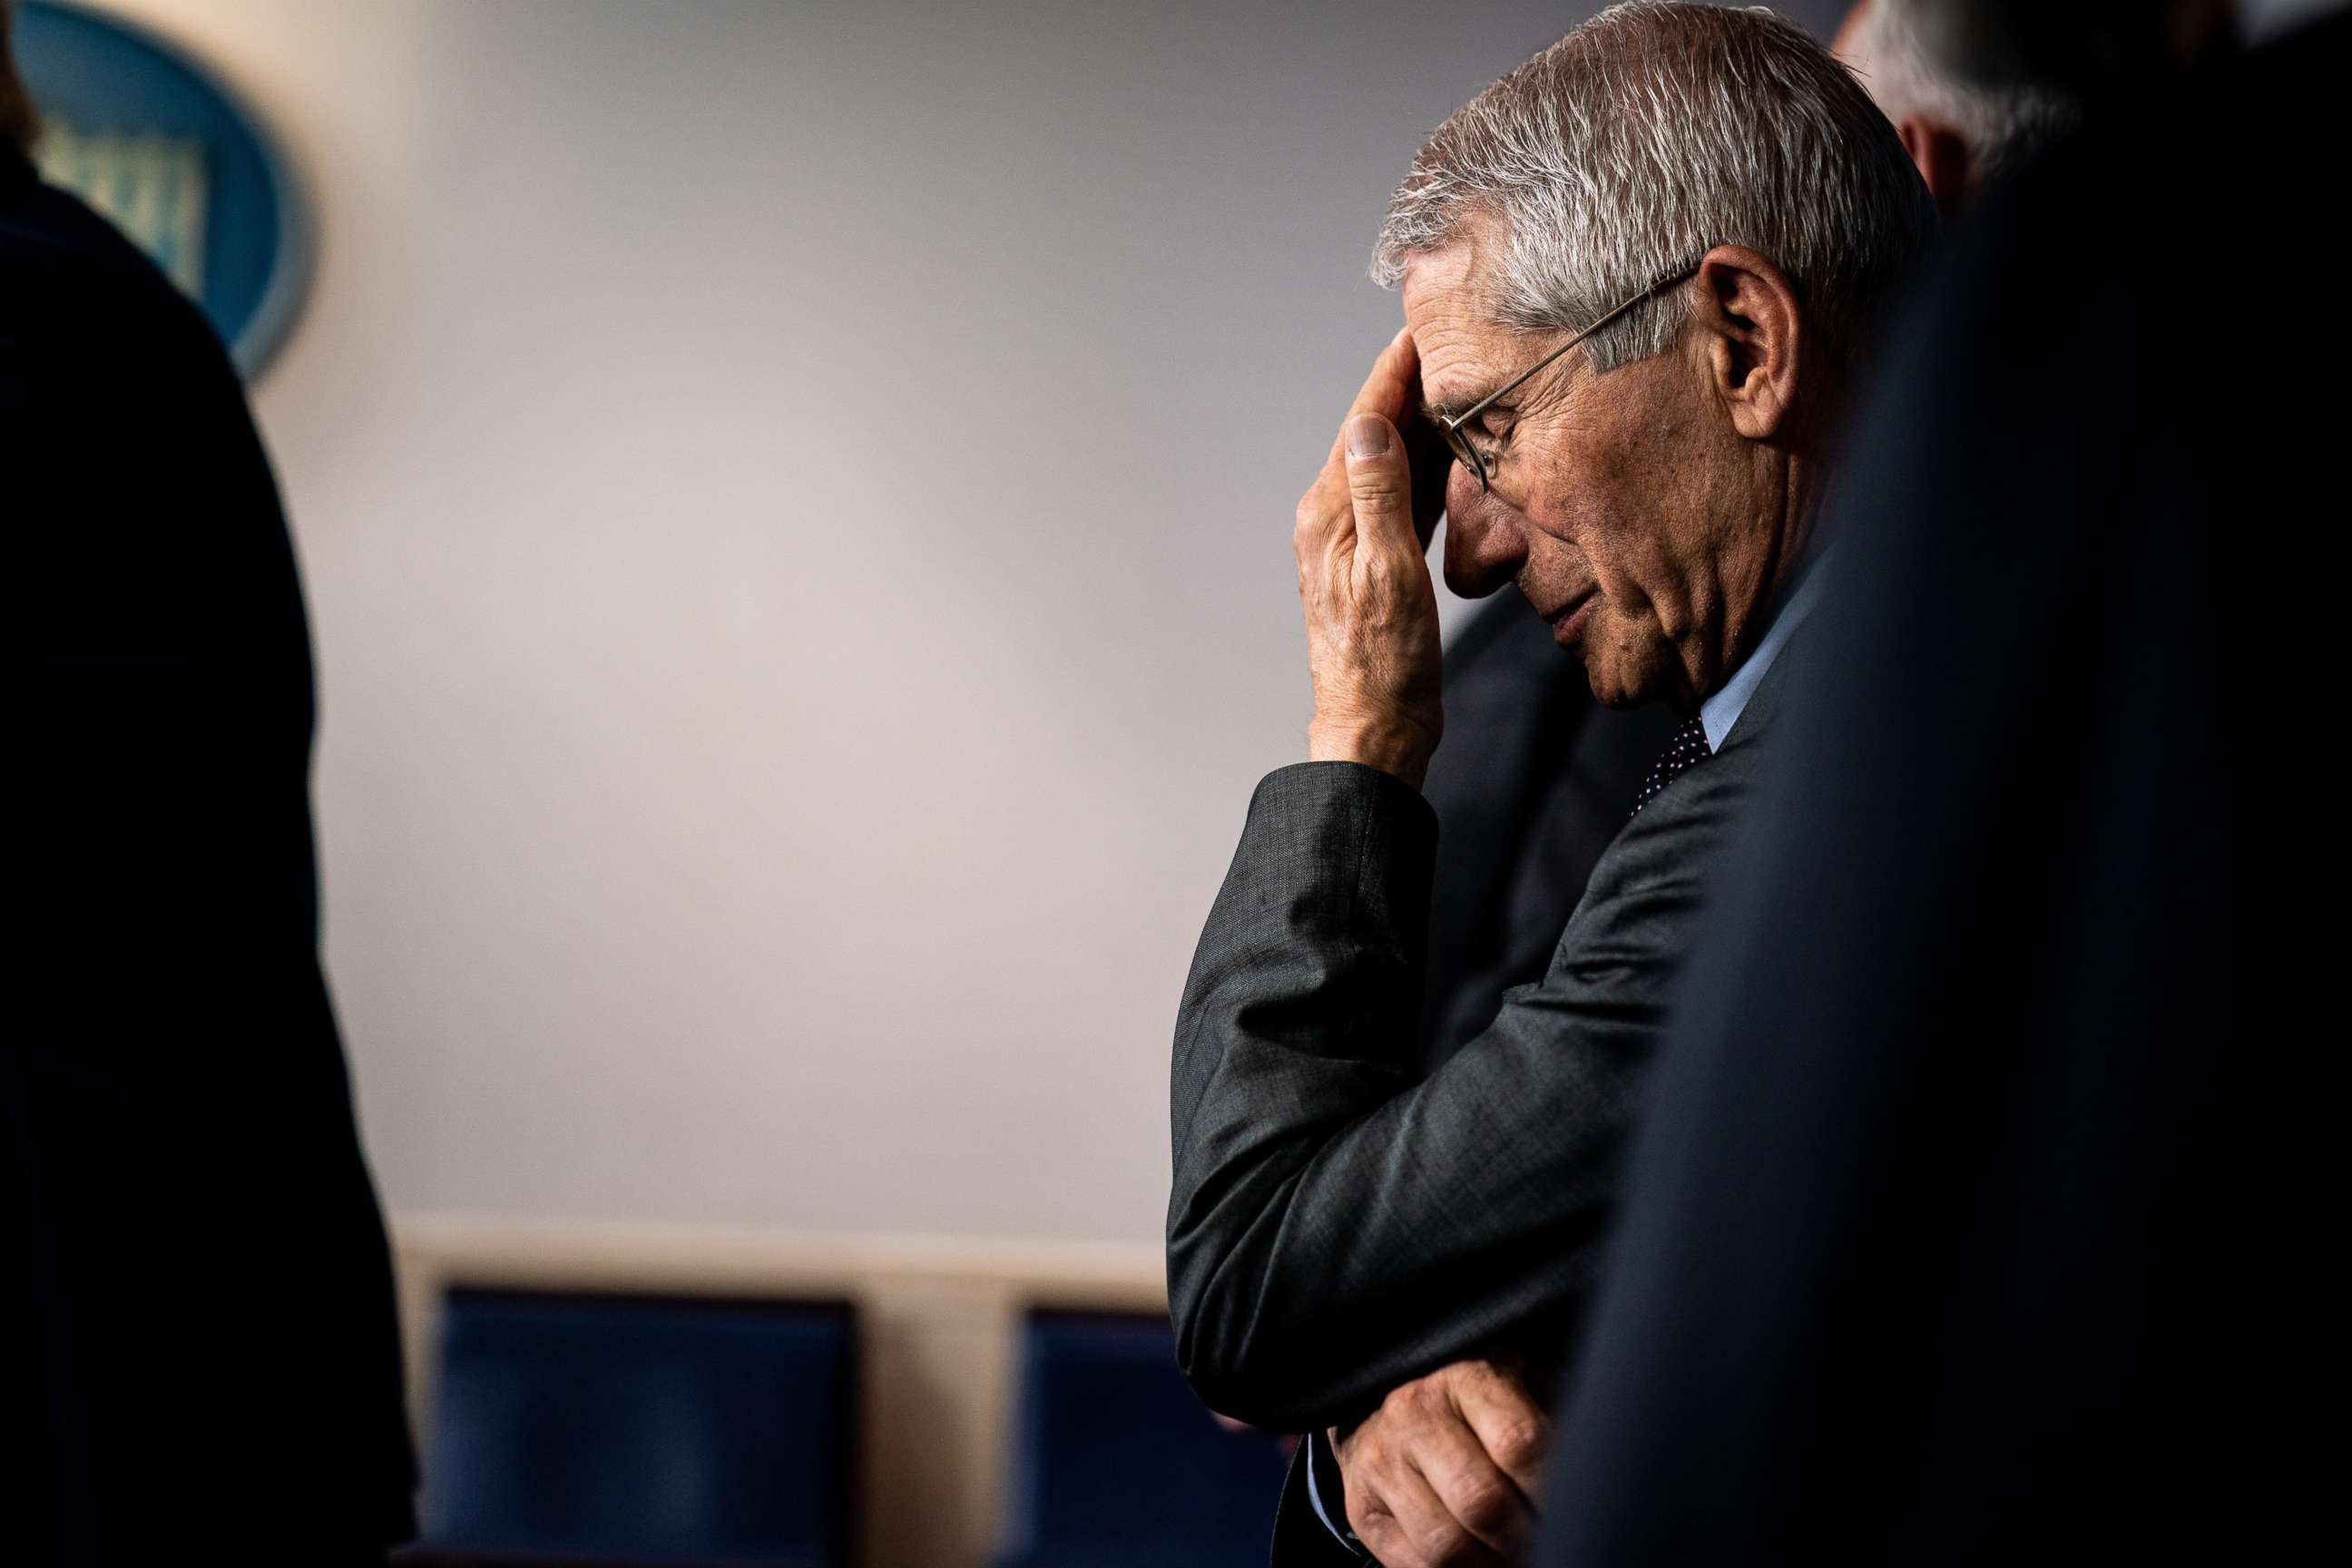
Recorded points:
1392,390
1393,387
1379,484
1402,1522
1484,1501
1508,1423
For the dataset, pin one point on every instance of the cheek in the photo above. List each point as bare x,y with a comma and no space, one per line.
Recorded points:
1609,520
1600,493
1574,520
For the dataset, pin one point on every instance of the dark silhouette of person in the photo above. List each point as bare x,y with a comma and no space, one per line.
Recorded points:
208,1361
1978,1212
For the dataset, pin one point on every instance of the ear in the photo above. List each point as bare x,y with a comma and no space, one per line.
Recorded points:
1941,158
1751,333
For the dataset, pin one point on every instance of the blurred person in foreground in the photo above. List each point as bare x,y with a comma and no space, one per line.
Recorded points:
1637,273
208,1363
1980,1213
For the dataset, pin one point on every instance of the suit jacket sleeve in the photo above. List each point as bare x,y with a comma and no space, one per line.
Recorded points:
1336,1227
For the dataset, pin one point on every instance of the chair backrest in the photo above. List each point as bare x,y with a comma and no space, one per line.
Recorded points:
667,1431
1116,1460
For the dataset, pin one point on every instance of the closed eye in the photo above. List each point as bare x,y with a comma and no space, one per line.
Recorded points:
1492,431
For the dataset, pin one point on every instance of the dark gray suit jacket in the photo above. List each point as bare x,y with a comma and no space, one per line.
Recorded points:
1340,1224
1529,788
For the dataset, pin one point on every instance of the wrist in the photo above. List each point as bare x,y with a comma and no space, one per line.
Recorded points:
1397,747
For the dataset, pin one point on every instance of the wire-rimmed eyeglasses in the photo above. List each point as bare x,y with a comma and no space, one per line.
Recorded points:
1468,454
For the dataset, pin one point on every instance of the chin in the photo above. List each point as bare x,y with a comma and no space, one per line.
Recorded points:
1607,689
1616,685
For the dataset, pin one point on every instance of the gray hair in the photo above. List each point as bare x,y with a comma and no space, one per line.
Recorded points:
1623,153
1912,59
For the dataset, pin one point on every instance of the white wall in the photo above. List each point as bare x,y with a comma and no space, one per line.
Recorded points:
796,502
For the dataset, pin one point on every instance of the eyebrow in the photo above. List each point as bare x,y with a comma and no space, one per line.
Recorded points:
1452,407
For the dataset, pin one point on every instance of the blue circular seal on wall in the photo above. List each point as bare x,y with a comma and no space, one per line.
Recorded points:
143,133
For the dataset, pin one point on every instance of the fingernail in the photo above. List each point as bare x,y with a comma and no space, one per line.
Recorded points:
1368,435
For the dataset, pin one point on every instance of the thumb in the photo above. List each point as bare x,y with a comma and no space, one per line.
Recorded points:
1379,483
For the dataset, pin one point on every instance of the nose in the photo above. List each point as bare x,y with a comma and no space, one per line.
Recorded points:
1485,542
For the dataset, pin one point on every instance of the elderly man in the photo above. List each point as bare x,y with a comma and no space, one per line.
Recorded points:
1530,785
1636,272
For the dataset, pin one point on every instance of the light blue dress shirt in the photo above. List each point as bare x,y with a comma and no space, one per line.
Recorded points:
1719,712
1337,1527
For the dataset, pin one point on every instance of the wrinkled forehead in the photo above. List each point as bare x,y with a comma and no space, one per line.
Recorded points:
1445,306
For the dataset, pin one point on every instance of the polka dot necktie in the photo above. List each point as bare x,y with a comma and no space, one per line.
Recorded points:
1688,745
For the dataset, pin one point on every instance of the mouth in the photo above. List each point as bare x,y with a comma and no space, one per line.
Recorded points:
1568,621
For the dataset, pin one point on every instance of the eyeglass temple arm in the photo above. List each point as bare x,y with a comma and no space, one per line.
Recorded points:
1481,406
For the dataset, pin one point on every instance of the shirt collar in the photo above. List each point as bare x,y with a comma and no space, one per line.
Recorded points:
1719,712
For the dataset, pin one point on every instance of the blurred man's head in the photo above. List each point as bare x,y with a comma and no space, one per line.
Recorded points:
1962,135
18,124
1649,489
2087,49
1976,87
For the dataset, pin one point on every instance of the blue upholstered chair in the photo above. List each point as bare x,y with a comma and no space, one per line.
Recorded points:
1117,1463
597,1428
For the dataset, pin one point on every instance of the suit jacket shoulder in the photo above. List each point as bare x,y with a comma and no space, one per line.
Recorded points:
1340,1223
